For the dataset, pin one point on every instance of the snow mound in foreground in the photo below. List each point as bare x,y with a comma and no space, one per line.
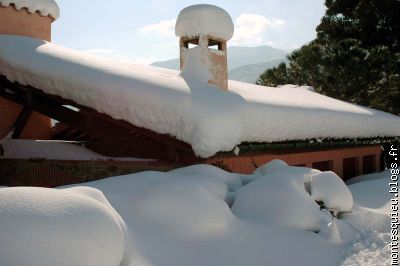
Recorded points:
279,198
183,217
66,227
25,149
332,191
370,215
272,166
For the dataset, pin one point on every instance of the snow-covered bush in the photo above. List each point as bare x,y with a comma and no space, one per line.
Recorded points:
289,195
64,227
233,181
272,166
280,198
330,189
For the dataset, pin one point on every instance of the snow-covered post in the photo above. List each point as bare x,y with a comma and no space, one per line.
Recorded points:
209,27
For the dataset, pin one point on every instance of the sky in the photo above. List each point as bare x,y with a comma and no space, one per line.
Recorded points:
144,31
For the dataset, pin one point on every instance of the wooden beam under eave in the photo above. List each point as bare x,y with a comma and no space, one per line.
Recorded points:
21,121
130,140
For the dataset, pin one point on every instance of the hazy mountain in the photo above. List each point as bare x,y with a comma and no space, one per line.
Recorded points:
171,64
251,73
241,56
244,63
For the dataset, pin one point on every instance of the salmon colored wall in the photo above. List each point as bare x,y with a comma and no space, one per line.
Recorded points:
21,22
244,163
37,127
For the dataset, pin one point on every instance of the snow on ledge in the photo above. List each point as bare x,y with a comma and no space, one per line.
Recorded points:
44,7
22,149
204,19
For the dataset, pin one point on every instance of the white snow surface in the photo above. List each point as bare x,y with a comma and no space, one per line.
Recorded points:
53,150
370,217
287,202
183,217
204,19
75,226
186,106
44,7
332,191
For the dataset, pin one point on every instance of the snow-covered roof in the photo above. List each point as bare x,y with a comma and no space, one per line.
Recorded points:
204,19
44,7
159,99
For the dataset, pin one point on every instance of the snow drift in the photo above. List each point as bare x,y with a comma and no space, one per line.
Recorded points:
53,150
59,227
183,217
370,217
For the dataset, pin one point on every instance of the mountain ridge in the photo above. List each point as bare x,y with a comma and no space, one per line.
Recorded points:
244,63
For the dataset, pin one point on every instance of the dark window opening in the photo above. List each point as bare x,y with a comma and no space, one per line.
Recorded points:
369,164
350,168
191,43
300,165
323,165
215,45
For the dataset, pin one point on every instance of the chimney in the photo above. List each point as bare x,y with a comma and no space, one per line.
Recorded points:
209,27
31,18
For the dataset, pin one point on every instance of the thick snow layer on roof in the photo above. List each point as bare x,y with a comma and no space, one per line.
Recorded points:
52,150
204,19
44,7
188,108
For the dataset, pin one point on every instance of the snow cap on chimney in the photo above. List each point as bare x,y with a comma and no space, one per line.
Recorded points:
43,7
204,19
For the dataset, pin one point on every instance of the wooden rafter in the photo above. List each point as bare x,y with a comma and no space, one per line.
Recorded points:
21,121
135,141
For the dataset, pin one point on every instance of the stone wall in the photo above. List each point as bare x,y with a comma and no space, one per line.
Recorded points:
48,173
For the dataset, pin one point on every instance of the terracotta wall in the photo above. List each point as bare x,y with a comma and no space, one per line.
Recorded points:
50,173
21,22
247,163
37,127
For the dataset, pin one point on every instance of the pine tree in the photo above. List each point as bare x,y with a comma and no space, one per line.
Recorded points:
355,57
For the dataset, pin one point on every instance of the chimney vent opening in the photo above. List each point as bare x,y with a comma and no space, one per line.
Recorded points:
215,45
191,43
